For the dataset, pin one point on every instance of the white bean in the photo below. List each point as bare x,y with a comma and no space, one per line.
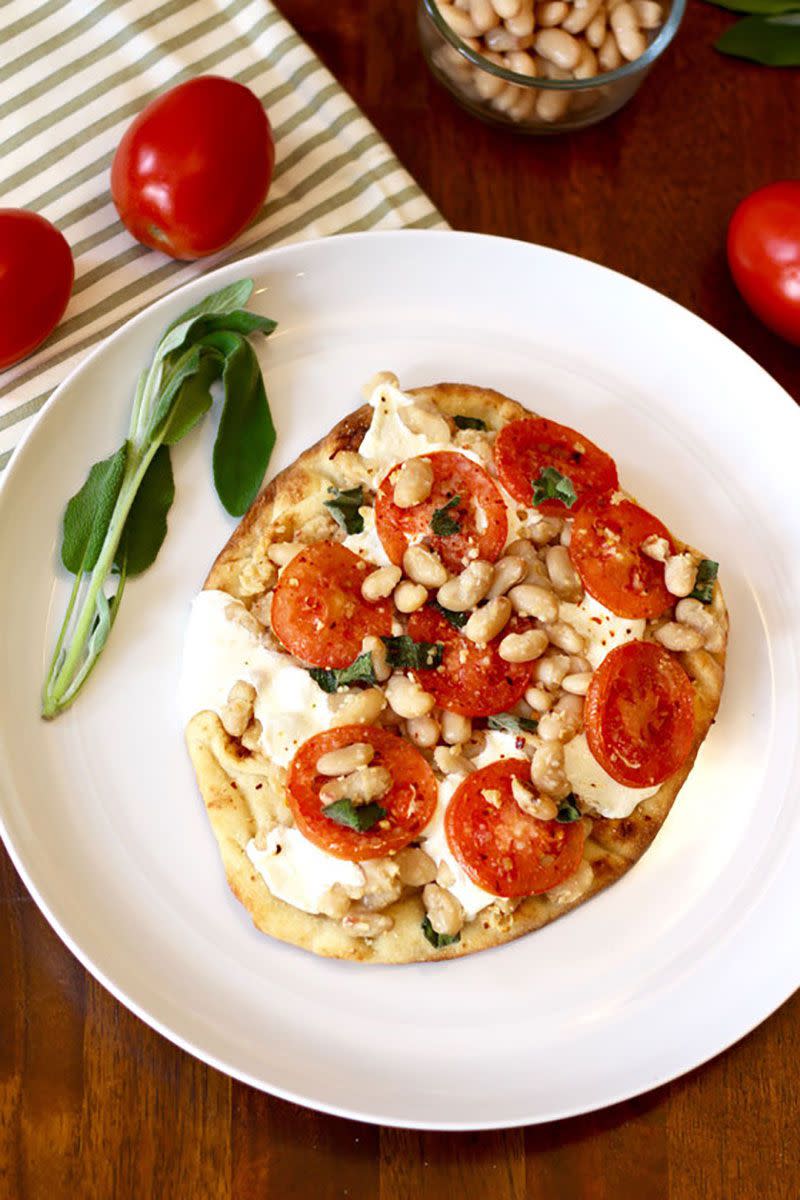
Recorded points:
425,567
680,574
507,571
550,670
558,47
552,106
456,729
460,22
360,786
574,886
444,912
545,529
539,699
486,622
466,590
679,638
408,597
581,16
483,15
522,24
346,759
501,41
656,547
578,684
423,732
521,62
547,770
381,583
523,647
695,614
563,576
282,553
608,55
412,482
237,711
489,86
450,761
649,13
596,30
561,724
359,708
522,548
540,807
431,425
529,600
586,69
407,698
380,659
551,13
506,8
415,866
631,41
566,638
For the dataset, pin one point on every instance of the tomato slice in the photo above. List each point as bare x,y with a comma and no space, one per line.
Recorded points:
472,680
606,551
523,448
500,847
318,611
409,804
639,714
480,514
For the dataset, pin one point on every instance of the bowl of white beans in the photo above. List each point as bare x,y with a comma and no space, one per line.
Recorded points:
545,66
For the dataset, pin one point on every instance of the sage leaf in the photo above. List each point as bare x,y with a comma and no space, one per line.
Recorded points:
552,485
762,7
330,679
344,508
437,940
462,422
146,523
246,434
568,811
443,523
88,513
457,619
193,399
704,583
406,654
771,41
344,812
512,724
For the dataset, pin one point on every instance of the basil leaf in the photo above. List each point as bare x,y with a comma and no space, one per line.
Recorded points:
771,41
330,679
344,812
513,724
552,485
246,434
704,583
457,619
404,652
344,508
437,940
146,523
567,812
442,524
88,513
765,8
469,422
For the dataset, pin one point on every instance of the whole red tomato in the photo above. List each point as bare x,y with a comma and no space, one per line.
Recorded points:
36,276
764,255
194,168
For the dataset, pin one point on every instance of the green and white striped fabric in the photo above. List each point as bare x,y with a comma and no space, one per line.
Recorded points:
73,73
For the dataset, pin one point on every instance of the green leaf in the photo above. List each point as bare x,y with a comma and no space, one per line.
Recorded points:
567,812
457,619
405,653
175,375
146,524
552,485
437,940
330,679
88,513
442,523
763,7
226,300
246,434
344,508
344,812
192,400
469,422
704,583
513,724
771,41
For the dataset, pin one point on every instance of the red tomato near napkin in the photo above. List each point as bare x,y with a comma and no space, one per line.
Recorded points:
764,255
36,276
194,167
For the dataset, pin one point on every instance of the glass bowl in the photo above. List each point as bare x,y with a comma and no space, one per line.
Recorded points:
550,101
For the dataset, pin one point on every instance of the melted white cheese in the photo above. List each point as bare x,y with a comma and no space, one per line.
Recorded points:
218,651
603,630
367,543
388,439
499,745
434,842
595,787
298,872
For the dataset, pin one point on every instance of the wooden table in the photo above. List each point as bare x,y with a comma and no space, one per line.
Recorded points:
94,1104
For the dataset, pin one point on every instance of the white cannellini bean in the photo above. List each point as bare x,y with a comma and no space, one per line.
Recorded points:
586,69
420,420
456,728
523,647
407,698
596,30
506,8
558,47
529,600
680,574
649,13
335,902
522,24
541,807
381,583
489,86
695,614
521,62
545,530
581,16
380,658
466,590
482,15
408,597
565,637
608,55
359,708
574,886
547,770
522,548
563,576
237,711
415,866
444,912
450,761
508,571
413,482
561,724
551,13
501,41
425,567
486,622
631,41
282,553
346,759
552,106
423,732
459,21
550,670
656,547
539,699
578,684
679,638
360,786
383,883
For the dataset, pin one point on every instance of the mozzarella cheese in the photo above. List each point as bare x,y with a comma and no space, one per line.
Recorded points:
595,787
298,872
499,745
472,898
388,439
218,651
367,544
603,630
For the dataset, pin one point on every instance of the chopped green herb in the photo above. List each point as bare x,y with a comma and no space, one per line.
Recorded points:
442,524
513,724
344,812
344,508
468,422
457,619
567,812
405,653
330,679
704,583
437,940
552,485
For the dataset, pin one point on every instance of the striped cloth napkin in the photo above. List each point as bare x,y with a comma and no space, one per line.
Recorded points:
73,74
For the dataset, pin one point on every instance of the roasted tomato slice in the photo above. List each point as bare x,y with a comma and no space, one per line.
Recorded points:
410,802
522,450
318,611
606,548
639,714
471,680
500,847
477,520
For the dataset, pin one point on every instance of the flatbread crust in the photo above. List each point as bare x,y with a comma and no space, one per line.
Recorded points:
244,794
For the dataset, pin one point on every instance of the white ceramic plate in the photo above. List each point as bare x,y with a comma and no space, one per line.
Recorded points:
100,810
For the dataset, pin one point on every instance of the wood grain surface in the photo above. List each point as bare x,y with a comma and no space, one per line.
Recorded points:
93,1103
